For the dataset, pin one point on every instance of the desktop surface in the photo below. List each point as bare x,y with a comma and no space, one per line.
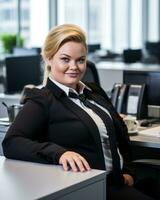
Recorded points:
145,141
148,136
26,180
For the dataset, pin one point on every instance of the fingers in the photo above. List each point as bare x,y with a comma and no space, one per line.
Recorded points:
65,165
128,179
85,163
74,161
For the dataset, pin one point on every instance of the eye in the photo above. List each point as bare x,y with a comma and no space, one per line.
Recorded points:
82,60
65,59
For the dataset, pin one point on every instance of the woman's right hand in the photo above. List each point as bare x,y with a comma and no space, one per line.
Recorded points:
74,161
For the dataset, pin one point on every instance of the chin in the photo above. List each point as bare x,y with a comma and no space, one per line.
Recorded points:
72,85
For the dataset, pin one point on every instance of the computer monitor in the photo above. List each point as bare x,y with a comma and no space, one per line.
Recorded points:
152,81
132,55
20,71
93,47
153,49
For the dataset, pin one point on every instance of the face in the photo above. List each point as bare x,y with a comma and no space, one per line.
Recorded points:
68,65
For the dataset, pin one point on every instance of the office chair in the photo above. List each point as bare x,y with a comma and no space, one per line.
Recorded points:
91,74
148,168
153,163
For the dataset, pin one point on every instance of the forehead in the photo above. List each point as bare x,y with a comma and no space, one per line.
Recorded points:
72,47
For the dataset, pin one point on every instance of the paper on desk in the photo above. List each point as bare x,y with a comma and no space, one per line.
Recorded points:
155,131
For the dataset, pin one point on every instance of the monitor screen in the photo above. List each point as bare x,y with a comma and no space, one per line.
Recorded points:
20,71
153,48
93,47
152,81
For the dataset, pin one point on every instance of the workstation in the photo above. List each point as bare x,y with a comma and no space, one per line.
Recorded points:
125,64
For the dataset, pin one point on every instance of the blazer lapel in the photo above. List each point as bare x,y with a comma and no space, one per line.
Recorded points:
86,120
100,100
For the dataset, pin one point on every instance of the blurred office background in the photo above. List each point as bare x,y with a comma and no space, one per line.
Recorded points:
114,24
117,30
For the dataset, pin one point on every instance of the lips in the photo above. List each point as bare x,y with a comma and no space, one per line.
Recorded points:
72,75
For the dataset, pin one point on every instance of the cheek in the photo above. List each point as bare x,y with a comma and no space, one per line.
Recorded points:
56,70
57,73
56,67
83,69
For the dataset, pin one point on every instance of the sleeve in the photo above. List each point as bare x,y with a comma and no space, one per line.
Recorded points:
26,138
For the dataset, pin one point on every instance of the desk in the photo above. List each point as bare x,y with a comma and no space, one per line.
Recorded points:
145,141
145,147
25,180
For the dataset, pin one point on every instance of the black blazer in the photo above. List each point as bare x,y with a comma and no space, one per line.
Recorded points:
50,124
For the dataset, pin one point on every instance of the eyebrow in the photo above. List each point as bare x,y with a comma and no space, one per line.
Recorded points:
63,54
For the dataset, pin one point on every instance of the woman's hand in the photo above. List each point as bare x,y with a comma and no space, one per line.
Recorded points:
74,161
128,179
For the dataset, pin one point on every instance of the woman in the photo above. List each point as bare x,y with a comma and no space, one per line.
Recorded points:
57,126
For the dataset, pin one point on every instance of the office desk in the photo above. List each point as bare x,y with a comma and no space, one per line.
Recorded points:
145,147
145,141
25,180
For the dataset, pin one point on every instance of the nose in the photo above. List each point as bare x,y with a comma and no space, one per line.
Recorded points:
73,65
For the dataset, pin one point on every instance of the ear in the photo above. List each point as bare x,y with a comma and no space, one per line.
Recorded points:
49,62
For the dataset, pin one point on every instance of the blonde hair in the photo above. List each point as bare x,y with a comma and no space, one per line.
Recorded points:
58,36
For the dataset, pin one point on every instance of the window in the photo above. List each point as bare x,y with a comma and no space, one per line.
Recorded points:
92,17
72,11
95,21
120,25
153,20
115,24
30,21
136,24
38,22
8,16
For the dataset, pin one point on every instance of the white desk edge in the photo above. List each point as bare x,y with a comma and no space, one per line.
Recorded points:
27,180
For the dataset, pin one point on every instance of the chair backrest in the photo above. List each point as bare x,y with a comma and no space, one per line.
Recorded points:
91,74
22,70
